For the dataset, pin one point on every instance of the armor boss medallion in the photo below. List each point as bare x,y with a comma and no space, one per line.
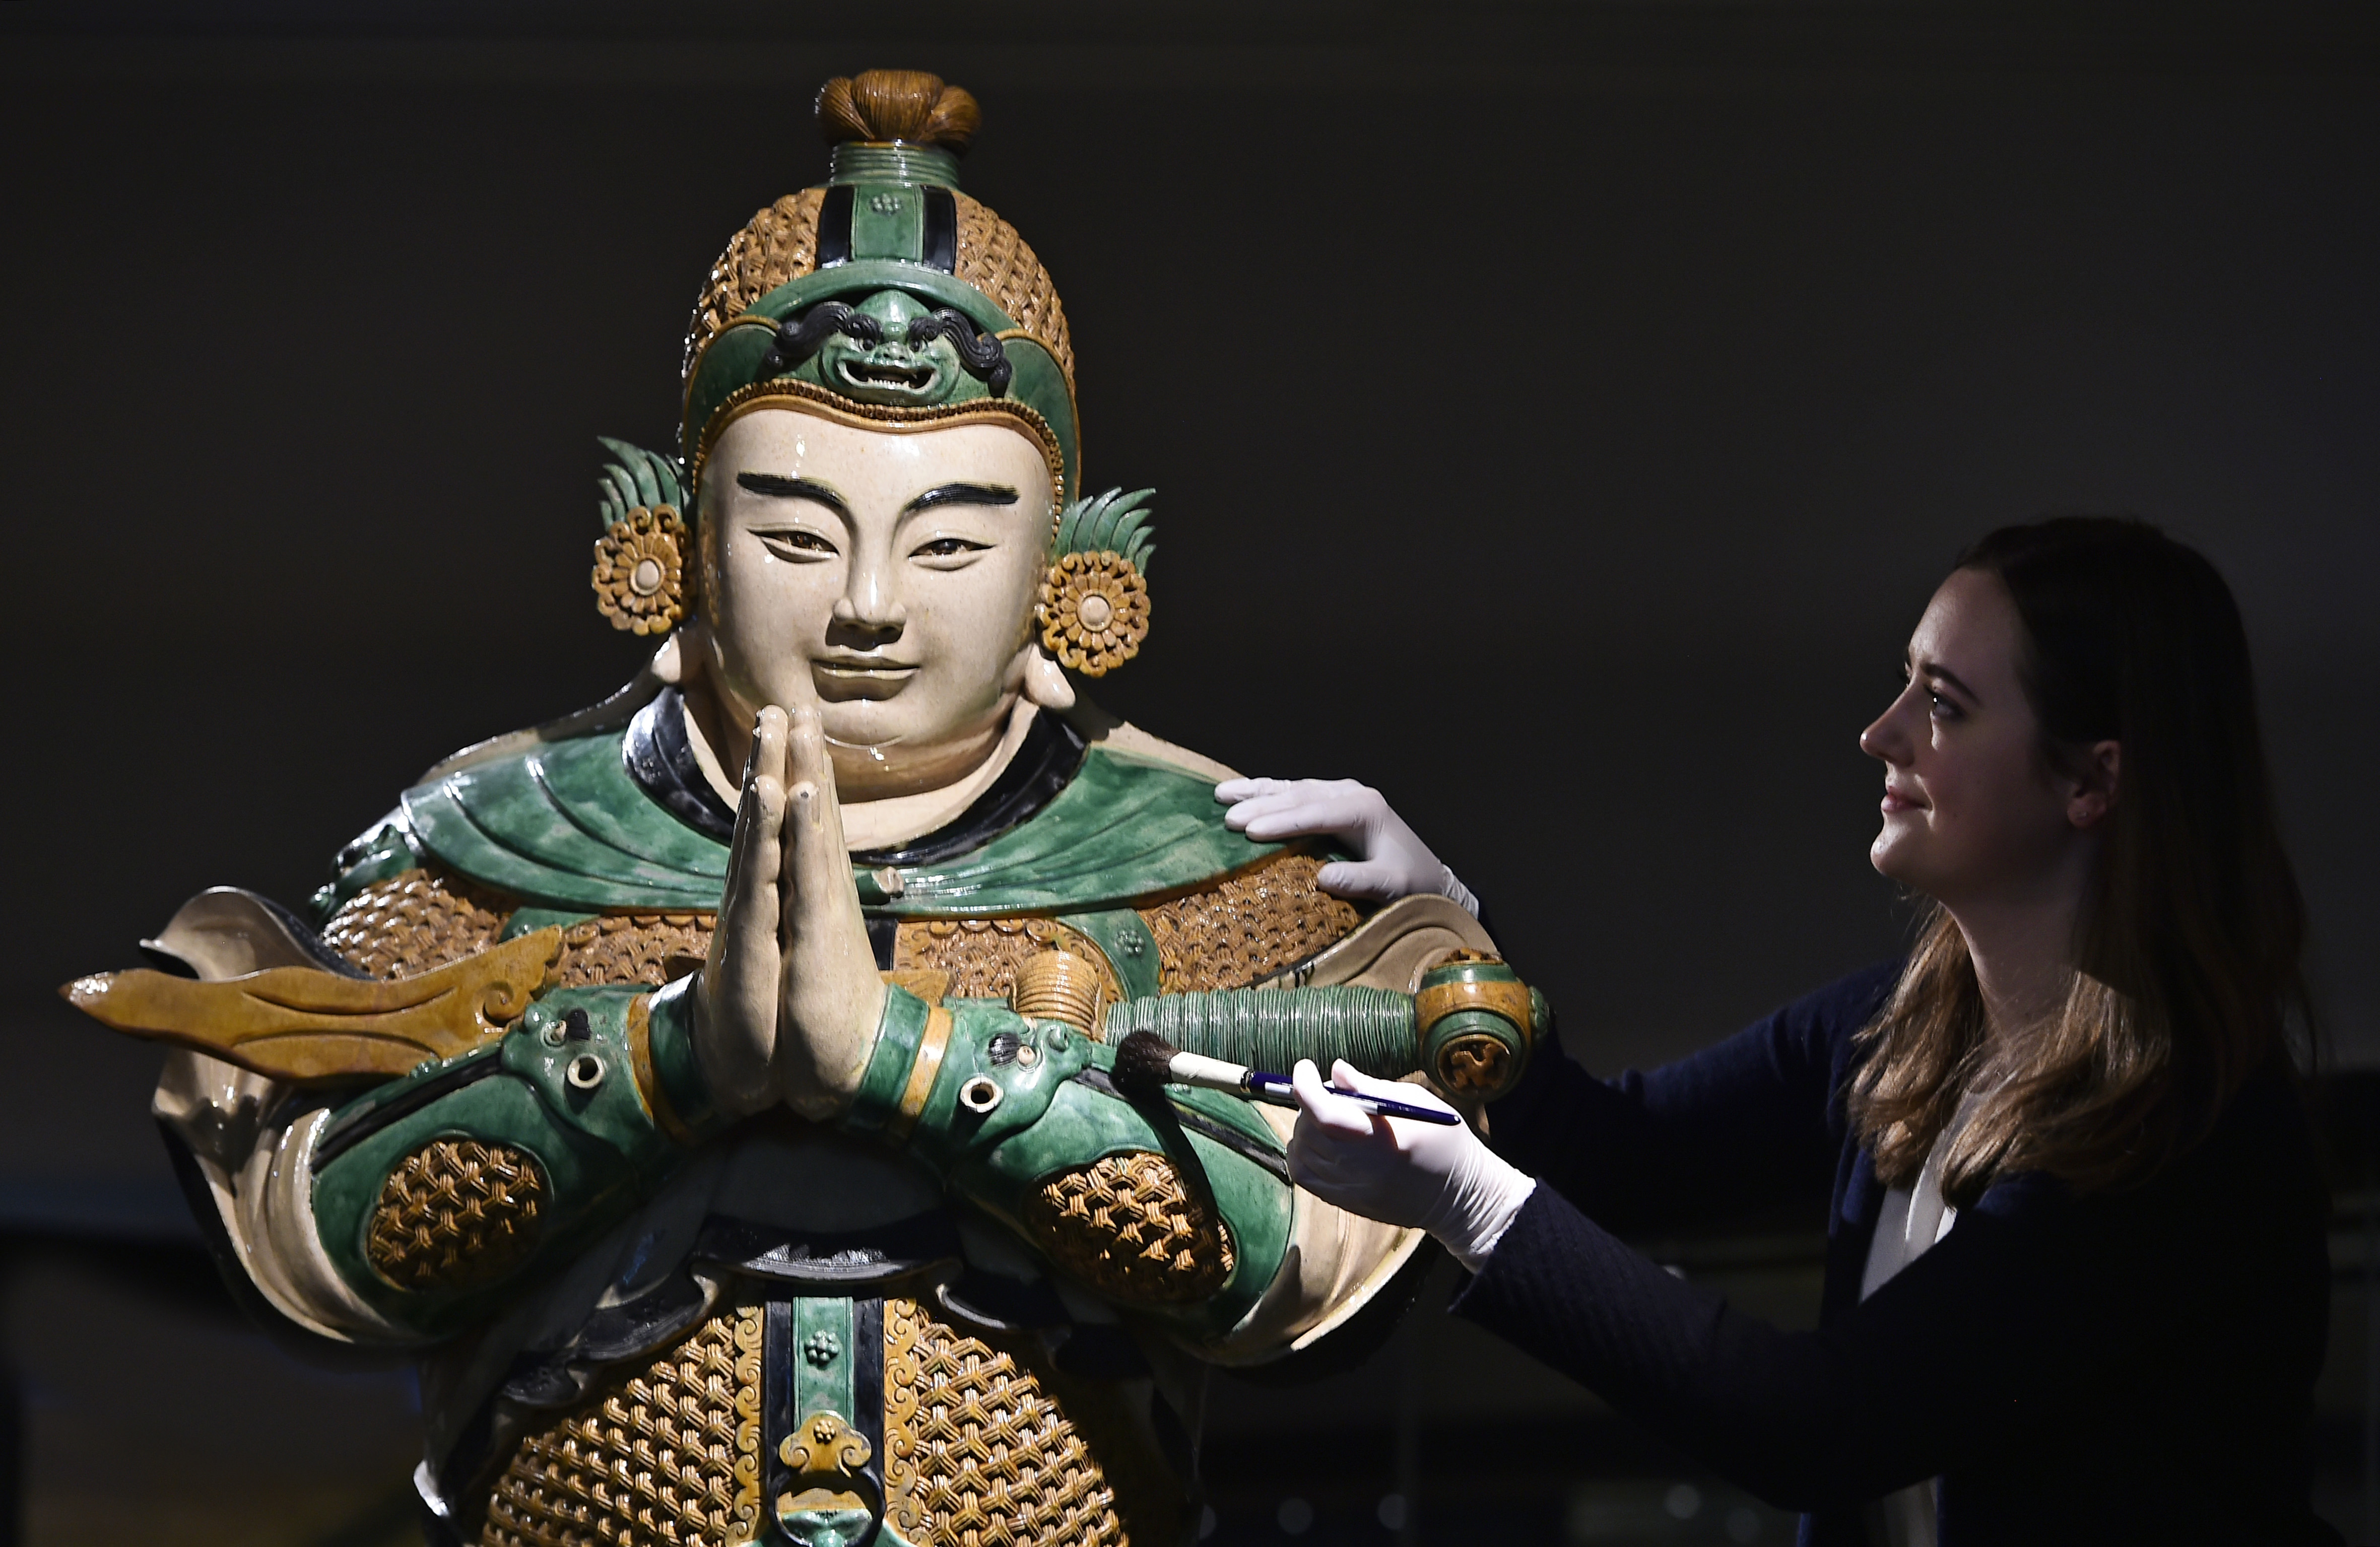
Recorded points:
1478,1020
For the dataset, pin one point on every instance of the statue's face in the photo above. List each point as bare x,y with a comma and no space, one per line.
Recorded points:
886,577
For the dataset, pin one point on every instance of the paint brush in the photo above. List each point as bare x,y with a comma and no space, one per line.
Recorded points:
1146,1063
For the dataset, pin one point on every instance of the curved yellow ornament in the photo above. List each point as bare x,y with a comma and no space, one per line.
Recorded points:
640,574
1094,611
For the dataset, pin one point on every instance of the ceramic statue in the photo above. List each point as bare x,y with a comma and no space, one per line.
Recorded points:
710,1090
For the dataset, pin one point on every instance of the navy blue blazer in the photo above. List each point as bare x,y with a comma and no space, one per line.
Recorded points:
2116,1369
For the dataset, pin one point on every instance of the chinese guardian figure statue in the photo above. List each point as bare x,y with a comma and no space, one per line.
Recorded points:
711,1090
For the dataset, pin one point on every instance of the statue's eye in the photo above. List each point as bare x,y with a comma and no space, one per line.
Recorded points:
797,546
949,548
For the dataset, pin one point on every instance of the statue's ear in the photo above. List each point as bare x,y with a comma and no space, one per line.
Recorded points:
1094,607
644,575
1045,681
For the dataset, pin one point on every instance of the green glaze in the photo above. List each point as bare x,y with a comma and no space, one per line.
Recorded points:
896,162
1047,1122
823,1351
888,220
563,827
1478,1020
1371,1028
840,361
1123,934
597,1149
669,1024
1082,1125
529,921
822,1361
1113,523
613,1113
382,854
898,1028
633,478
1126,828
733,360
947,1133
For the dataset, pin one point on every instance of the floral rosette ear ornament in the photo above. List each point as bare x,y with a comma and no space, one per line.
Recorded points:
1094,609
640,575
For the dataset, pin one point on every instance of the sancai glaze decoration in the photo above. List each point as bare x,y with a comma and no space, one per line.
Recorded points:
683,1270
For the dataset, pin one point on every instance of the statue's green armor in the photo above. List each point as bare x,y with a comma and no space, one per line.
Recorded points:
595,1094
1176,1211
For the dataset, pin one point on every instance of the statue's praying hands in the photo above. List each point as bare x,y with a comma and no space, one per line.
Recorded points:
789,1000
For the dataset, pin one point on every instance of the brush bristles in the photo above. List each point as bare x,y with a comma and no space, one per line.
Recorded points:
1144,1064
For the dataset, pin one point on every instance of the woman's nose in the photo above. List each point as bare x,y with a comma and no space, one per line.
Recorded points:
1883,740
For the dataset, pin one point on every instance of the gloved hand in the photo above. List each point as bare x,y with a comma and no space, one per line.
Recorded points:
1400,1172
1389,863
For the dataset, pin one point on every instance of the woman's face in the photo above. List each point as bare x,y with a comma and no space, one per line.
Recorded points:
1973,813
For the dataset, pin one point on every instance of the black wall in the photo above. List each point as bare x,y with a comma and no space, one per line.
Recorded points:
1559,422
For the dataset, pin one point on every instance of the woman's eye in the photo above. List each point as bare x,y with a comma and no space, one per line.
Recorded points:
949,548
1941,708
797,545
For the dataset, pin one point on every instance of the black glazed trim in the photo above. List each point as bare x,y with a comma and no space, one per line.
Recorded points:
797,340
661,759
1003,1303
1198,1122
365,1119
611,1335
834,1263
867,1379
941,251
835,227
1046,764
985,357
301,934
777,1356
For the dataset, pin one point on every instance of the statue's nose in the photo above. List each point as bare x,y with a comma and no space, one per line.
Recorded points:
867,606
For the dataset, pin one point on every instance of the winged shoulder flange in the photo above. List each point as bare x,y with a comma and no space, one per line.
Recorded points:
303,1024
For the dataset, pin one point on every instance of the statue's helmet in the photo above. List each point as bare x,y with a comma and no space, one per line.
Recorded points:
888,301
885,296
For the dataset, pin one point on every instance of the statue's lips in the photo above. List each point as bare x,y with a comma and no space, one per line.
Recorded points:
839,681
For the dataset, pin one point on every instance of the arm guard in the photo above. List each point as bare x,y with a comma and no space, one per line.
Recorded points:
1180,1207
1469,1027
436,1188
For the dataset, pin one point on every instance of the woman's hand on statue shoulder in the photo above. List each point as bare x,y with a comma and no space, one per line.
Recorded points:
788,1006
1390,860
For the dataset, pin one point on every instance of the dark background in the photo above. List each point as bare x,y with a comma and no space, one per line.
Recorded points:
1560,415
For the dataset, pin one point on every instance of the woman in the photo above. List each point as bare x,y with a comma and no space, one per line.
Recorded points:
2076,1282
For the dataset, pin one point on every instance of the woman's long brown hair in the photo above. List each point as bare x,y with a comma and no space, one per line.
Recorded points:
2189,938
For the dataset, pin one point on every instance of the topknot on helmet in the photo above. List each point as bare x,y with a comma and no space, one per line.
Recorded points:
885,291
879,106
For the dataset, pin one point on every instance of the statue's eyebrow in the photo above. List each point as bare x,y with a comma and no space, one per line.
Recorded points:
962,494
777,486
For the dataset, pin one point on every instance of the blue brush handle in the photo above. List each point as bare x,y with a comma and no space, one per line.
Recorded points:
1276,1090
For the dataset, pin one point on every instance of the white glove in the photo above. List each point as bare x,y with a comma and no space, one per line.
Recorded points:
1389,863
1401,1172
